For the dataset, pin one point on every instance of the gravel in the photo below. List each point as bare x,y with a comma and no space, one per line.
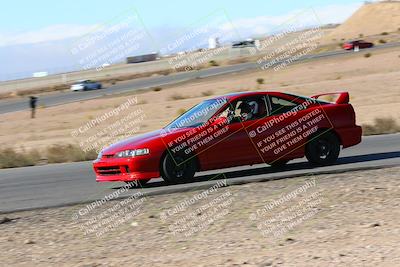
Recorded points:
349,219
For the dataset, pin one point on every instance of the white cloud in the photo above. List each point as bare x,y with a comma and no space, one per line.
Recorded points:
336,13
246,26
309,17
51,33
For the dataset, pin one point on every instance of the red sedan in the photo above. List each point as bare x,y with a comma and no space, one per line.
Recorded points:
234,130
361,44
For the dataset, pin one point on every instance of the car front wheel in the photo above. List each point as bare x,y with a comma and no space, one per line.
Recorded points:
177,168
323,149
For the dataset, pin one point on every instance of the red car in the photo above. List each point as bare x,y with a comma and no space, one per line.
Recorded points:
361,44
234,130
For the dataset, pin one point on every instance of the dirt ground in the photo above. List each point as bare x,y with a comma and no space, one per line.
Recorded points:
373,83
349,219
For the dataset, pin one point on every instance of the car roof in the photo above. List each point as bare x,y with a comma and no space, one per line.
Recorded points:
235,95
358,40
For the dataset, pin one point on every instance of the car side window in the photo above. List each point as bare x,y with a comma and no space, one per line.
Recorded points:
280,105
248,109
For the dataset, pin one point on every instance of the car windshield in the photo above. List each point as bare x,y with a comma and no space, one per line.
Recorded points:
198,115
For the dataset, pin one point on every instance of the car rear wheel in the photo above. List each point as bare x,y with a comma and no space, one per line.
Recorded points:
178,168
137,183
323,150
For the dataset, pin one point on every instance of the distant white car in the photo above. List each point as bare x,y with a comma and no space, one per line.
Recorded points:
84,85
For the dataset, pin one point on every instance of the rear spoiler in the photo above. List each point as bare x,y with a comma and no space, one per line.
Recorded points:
341,97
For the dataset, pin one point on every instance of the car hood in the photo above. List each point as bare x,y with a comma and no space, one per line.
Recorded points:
140,141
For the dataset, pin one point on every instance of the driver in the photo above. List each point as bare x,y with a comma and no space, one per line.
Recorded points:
245,111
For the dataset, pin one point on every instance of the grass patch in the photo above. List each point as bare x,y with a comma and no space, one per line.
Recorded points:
384,33
207,93
157,89
180,111
382,41
367,55
9,158
177,97
260,81
12,159
381,126
213,63
68,153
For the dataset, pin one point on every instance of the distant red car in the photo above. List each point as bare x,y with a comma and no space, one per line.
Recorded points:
233,130
361,44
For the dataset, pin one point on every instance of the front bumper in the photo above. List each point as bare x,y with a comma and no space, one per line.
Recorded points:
125,169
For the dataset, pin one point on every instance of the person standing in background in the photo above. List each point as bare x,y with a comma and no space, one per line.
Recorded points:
32,103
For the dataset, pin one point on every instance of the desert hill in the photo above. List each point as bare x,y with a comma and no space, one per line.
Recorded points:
371,19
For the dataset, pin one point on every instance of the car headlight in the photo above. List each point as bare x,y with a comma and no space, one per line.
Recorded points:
100,155
132,153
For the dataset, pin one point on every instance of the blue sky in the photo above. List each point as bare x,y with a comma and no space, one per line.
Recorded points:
37,35
25,15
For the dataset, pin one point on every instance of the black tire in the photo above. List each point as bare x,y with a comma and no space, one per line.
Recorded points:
137,183
85,88
279,164
99,86
324,149
177,169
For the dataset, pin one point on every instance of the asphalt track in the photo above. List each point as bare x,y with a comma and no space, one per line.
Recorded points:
59,98
72,183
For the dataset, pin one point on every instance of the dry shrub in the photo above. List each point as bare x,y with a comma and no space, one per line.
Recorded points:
9,158
7,95
181,111
381,126
177,96
68,153
260,81
207,93
213,63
